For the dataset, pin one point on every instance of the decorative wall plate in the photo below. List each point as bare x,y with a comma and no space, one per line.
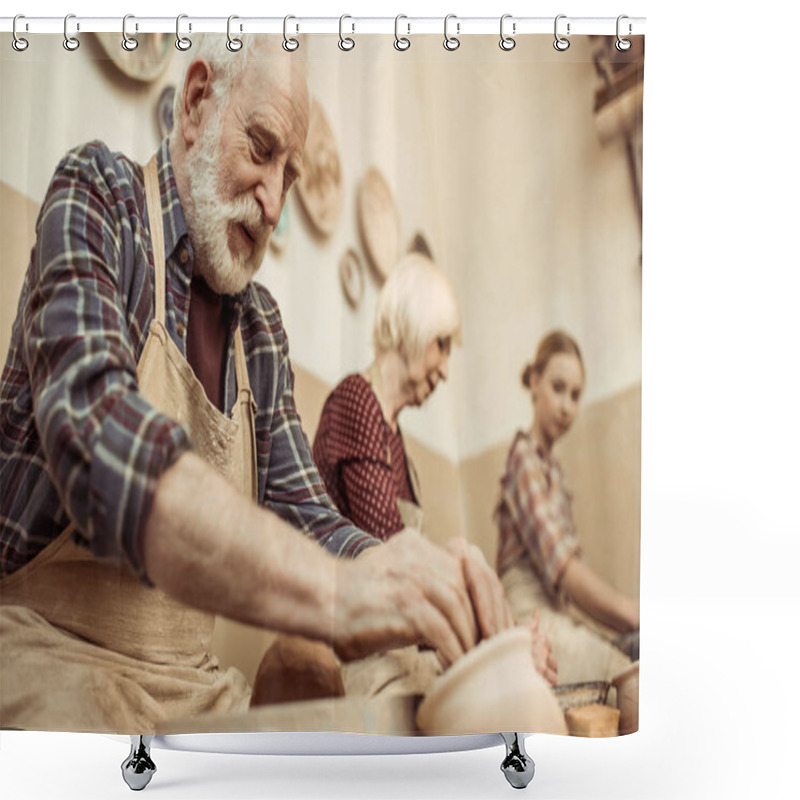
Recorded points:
147,61
164,111
351,275
320,188
378,222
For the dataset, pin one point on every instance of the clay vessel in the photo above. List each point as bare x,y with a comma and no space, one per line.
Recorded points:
494,687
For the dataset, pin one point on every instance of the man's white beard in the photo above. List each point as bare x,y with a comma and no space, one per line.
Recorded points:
209,218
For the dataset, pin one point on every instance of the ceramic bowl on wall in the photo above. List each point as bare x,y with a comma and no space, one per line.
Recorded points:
320,188
494,687
165,111
351,276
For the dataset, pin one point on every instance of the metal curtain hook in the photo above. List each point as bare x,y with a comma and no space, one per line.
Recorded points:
129,43
345,42
18,43
507,42
451,42
561,44
183,43
289,44
622,44
71,43
401,42
234,43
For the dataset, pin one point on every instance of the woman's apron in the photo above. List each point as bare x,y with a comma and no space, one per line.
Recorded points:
86,646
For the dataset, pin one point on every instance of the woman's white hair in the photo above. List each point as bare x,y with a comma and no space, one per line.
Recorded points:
416,305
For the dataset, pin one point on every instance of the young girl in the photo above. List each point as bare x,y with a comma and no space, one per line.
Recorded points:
539,556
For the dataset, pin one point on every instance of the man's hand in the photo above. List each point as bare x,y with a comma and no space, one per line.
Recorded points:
485,590
410,591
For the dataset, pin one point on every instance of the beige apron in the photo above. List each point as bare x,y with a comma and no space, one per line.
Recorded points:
86,646
582,650
410,512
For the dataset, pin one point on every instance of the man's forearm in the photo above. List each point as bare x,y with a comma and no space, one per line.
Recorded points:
212,548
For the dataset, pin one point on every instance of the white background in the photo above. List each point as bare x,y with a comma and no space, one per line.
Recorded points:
720,602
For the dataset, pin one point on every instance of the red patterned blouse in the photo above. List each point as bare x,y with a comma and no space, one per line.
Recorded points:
361,459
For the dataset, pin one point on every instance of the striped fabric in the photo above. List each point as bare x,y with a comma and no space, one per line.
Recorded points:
77,439
534,514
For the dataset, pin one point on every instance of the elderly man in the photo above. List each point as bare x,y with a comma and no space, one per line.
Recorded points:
154,471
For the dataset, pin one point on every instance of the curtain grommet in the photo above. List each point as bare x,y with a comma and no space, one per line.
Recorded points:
17,42
451,43
401,43
290,44
129,43
507,42
234,43
561,43
623,45
346,43
70,43
182,43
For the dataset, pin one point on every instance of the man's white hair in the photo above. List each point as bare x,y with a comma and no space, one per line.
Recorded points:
416,305
227,67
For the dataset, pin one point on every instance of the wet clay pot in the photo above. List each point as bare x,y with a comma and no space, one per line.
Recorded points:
494,687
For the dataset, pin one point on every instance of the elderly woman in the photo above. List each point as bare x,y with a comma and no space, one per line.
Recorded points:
359,447
539,558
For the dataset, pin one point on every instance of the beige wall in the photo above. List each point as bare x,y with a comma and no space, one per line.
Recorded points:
602,459
54,100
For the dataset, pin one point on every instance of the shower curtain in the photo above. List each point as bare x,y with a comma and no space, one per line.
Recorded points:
441,365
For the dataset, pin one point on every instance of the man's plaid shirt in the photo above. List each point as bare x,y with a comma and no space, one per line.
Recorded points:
77,440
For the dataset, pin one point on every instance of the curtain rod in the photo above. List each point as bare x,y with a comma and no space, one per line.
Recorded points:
408,26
